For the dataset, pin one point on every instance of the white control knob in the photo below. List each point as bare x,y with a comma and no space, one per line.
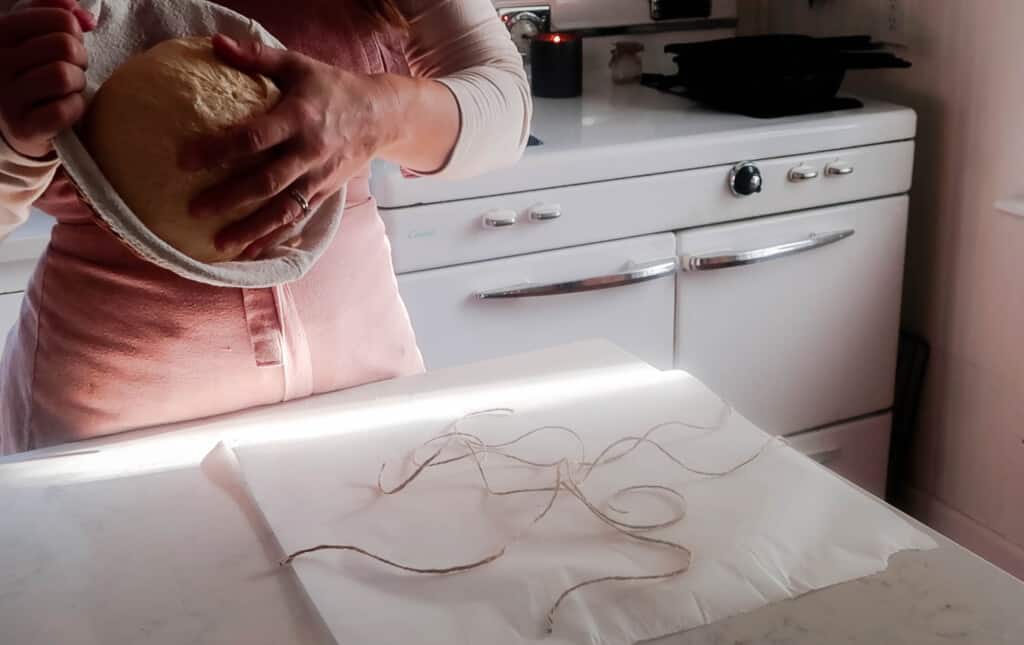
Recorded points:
803,172
838,169
499,218
545,212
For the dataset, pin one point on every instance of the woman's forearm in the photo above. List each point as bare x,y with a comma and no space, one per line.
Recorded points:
467,51
423,122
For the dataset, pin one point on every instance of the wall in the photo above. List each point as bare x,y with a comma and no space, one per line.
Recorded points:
569,14
965,263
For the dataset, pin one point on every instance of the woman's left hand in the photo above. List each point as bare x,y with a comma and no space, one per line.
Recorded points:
326,128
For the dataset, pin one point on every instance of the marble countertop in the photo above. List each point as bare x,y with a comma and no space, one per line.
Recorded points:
943,596
150,537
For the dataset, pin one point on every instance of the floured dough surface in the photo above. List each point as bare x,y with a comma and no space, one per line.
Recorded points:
150,106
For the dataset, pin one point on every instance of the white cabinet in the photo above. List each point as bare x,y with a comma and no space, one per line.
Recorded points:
455,326
20,251
10,307
859,450
804,339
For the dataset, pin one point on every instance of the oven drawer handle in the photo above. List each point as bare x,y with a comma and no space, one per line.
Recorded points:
635,275
710,262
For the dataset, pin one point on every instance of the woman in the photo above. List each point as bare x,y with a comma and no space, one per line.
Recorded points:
107,342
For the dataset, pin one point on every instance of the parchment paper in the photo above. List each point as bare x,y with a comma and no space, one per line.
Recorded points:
777,528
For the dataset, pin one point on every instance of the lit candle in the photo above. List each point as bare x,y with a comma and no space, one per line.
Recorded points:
556,61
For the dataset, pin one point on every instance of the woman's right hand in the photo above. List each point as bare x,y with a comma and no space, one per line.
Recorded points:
42,72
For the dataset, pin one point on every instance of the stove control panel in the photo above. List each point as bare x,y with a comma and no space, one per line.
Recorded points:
432,234
505,217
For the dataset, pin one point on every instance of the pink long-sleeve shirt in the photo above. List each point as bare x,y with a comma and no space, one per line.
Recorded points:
107,342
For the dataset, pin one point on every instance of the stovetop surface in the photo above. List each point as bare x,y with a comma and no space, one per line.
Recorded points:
632,114
763,109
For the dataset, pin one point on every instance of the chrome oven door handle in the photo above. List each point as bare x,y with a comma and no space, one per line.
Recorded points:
712,261
635,275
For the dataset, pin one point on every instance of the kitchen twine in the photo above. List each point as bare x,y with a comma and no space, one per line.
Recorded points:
568,476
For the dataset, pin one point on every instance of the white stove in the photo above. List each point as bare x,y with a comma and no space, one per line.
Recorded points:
641,142
639,220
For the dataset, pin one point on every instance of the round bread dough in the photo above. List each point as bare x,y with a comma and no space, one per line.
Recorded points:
140,117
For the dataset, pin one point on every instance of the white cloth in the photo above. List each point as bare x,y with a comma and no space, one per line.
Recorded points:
777,528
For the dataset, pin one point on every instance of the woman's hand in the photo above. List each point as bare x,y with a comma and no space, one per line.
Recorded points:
42,72
327,127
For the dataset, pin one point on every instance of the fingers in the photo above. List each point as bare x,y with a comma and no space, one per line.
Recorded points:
287,120
68,5
43,111
26,24
251,187
259,135
254,57
41,50
256,249
276,214
51,81
85,19
320,183
256,233
55,116
42,63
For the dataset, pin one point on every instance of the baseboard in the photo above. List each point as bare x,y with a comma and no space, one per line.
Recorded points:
964,531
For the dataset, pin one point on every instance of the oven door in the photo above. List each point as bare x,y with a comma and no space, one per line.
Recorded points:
622,291
795,318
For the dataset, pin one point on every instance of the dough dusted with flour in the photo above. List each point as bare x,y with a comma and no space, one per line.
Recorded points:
146,110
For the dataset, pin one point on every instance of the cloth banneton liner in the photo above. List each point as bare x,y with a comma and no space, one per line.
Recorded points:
130,27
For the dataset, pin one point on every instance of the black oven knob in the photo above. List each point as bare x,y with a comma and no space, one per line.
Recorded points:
745,179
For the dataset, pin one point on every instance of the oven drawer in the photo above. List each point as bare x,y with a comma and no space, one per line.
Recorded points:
801,332
859,450
622,291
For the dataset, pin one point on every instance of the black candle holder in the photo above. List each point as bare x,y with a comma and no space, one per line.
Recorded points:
556,64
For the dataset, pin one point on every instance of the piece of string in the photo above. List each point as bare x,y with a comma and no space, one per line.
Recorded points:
568,476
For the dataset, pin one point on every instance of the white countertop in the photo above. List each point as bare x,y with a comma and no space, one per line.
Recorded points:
149,536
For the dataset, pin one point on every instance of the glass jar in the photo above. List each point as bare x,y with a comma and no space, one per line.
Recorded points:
627,62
